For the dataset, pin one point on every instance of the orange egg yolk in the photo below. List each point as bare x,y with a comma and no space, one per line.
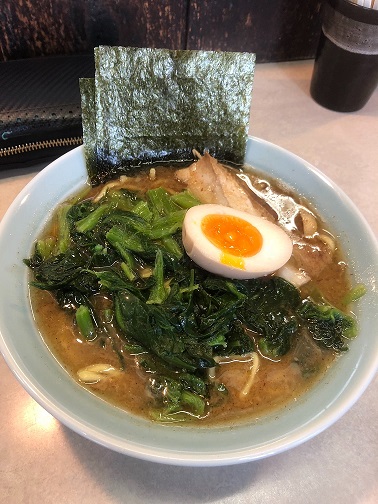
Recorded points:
236,238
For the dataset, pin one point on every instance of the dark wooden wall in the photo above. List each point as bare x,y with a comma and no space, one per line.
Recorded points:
277,30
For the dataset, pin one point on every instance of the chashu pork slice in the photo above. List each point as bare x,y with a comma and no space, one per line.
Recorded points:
212,182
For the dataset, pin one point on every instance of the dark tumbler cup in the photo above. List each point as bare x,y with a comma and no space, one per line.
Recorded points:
346,63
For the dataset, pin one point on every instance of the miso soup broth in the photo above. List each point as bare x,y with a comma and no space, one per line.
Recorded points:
238,372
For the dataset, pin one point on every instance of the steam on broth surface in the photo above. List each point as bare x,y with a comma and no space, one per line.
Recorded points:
240,376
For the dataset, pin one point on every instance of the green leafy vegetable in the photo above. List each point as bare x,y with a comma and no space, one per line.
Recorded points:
354,294
91,220
45,247
63,239
328,326
161,305
85,322
178,398
159,291
270,312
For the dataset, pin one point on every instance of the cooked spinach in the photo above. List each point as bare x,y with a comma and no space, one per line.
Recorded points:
329,326
270,312
178,315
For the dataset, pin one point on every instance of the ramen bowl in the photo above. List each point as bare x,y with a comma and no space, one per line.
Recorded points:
55,390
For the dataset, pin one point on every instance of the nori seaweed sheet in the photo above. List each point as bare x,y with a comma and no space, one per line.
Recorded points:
157,105
88,114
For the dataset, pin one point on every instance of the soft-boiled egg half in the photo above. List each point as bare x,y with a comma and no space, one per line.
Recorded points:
234,244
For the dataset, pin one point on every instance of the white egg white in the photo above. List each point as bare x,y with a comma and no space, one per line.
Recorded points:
276,249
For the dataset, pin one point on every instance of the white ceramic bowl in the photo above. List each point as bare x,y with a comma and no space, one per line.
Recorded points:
48,383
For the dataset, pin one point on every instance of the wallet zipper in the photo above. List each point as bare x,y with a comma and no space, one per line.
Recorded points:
40,145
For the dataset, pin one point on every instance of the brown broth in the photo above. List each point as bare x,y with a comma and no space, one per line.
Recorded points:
276,383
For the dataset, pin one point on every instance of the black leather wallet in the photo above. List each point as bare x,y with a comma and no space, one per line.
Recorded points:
40,111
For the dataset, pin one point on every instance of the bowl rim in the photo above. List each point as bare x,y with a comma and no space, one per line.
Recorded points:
222,457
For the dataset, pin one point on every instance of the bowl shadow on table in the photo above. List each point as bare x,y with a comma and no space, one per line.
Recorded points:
330,457
144,481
